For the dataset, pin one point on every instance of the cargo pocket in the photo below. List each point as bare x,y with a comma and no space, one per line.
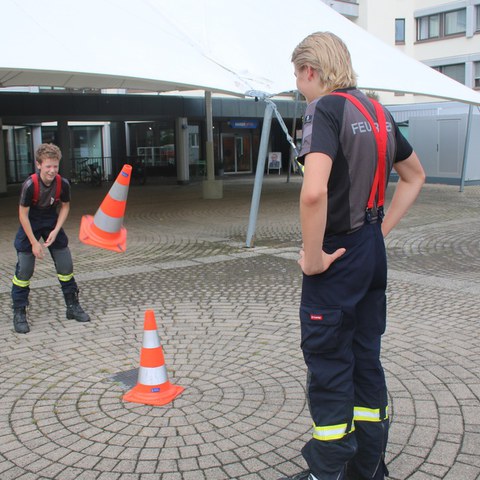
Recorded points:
320,328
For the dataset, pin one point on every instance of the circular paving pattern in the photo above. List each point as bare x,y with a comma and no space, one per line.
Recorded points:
235,406
228,321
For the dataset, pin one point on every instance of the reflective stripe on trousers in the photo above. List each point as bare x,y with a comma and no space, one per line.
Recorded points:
20,283
364,414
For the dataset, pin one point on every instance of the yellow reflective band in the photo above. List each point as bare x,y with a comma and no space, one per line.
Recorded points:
331,432
65,278
363,414
300,166
20,283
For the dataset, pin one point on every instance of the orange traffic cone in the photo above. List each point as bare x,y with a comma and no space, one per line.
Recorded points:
105,229
153,387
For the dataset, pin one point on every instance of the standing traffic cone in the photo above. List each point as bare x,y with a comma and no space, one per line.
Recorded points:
105,229
153,387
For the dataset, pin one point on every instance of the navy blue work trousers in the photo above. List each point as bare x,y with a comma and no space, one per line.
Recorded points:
343,316
42,225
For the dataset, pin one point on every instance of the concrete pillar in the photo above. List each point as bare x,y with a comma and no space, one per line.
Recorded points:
36,138
63,135
3,164
183,172
118,139
471,21
211,188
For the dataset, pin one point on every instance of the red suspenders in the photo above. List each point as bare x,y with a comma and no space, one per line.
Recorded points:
379,181
36,188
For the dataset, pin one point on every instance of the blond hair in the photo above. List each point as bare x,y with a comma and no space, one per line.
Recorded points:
47,150
329,56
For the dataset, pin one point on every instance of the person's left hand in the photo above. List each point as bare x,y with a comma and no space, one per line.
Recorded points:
51,238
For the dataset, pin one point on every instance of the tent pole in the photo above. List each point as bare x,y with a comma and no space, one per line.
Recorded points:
294,126
467,143
257,188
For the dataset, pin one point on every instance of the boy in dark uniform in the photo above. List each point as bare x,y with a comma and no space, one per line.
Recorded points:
39,219
349,147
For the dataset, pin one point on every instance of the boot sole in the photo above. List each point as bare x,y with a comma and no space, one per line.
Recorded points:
71,317
22,330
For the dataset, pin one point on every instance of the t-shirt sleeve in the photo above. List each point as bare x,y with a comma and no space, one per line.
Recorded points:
404,149
26,193
321,129
65,192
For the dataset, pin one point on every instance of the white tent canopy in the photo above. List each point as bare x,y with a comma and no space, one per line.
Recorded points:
163,45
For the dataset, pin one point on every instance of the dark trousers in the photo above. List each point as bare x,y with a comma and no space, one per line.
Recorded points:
59,251
343,316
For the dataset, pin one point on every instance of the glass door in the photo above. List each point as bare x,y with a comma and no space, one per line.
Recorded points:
19,155
236,153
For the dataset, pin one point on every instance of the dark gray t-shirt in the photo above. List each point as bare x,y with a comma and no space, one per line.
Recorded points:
335,127
46,197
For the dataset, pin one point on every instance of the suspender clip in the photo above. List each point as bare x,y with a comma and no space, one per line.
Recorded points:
368,215
381,212
371,218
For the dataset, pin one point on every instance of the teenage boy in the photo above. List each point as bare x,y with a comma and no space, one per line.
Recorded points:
349,146
43,209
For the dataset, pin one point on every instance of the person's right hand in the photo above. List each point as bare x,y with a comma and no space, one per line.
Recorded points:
37,250
326,260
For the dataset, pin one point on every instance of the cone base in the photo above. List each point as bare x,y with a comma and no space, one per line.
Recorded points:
87,236
170,392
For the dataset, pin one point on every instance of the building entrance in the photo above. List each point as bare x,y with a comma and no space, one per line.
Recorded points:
236,153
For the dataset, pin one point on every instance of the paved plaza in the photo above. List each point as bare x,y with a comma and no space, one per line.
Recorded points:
227,317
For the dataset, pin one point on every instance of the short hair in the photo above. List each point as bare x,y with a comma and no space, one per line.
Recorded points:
326,53
47,150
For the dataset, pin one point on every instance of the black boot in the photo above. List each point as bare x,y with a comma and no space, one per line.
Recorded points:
74,310
305,475
308,475
20,320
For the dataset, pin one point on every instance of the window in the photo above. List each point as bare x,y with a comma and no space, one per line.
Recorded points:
455,22
19,153
457,71
477,17
428,27
86,143
476,72
440,25
399,30
154,143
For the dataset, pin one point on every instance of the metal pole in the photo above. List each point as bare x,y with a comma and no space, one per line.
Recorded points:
294,126
467,143
257,187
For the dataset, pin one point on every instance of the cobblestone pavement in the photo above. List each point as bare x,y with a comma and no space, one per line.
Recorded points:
227,319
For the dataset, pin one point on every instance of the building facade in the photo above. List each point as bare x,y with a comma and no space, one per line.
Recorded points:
166,134
445,35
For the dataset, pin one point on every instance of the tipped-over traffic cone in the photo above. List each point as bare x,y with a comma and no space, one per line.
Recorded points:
153,387
105,229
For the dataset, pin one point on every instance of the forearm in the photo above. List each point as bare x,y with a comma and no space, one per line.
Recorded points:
313,211
62,216
403,198
313,220
412,178
26,225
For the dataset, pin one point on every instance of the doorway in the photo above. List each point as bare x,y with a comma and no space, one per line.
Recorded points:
236,153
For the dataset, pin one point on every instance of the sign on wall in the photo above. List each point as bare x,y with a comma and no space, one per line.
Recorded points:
274,162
